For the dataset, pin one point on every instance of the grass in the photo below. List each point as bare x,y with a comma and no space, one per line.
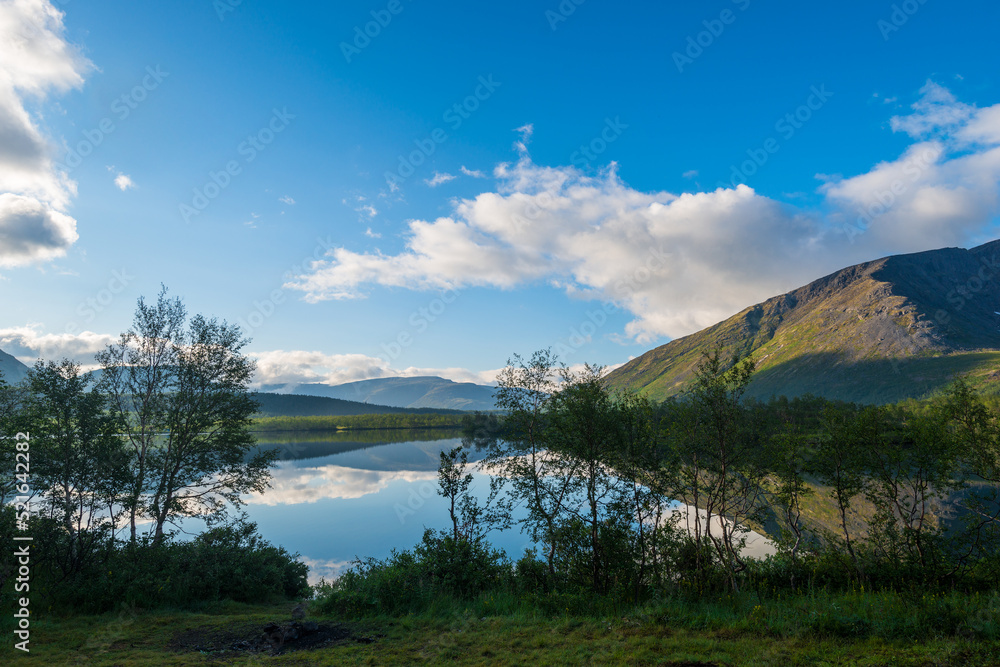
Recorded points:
809,629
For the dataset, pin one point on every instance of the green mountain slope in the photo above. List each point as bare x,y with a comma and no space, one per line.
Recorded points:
898,327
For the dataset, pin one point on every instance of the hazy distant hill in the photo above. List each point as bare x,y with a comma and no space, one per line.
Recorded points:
296,405
403,392
12,369
901,326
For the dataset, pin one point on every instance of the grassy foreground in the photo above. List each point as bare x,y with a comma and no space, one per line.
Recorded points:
840,630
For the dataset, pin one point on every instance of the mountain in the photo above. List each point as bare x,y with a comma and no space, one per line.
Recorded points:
12,369
403,392
297,405
898,327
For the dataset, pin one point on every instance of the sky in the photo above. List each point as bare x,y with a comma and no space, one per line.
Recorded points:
396,187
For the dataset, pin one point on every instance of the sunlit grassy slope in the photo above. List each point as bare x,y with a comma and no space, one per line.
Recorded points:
899,327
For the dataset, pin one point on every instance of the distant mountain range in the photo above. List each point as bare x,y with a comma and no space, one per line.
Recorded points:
12,369
416,395
400,392
899,327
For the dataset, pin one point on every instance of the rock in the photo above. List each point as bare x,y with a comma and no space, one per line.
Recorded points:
274,635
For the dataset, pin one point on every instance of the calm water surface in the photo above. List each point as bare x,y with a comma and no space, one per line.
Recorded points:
338,496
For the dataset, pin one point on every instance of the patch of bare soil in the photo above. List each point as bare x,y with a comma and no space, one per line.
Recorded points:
269,639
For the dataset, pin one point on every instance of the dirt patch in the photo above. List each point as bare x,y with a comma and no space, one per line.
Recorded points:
267,639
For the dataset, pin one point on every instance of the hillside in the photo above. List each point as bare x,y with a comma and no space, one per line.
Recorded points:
402,392
898,327
12,369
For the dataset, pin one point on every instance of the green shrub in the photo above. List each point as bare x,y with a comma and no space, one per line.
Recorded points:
438,568
226,563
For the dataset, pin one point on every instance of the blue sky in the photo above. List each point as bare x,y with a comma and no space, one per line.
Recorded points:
464,182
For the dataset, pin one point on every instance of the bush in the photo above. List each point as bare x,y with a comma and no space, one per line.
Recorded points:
440,568
462,567
227,563
531,575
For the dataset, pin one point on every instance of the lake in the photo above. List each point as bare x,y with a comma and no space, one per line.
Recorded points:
341,495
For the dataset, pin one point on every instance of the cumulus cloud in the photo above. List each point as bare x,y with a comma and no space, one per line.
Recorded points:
945,188
124,182
29,343
301,367
294,367
31,231
293,484
35,61
664,257
681,262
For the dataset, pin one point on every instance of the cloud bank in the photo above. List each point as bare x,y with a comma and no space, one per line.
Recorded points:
294,367
29,343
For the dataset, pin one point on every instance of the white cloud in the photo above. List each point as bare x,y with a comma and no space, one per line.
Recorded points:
438,179
683,262
365,210
692,173
474,173
937,110
29,343
300,367
293,484
525,132
283,367
124,182
287,200
294,367
35,61
943,191
32,232
601,238
370,234
325,569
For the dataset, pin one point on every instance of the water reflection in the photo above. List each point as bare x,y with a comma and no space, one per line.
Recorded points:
338,496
